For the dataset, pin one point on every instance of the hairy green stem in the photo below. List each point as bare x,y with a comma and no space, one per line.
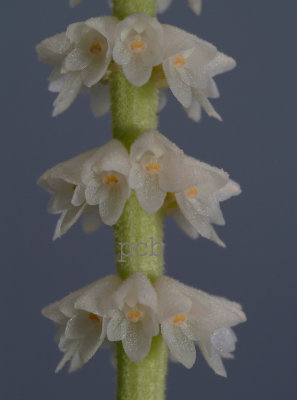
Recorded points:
138,236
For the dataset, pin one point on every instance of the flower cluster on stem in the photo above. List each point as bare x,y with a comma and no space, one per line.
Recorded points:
97,184
84,56
133,311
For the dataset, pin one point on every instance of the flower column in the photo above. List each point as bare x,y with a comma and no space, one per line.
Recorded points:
134,110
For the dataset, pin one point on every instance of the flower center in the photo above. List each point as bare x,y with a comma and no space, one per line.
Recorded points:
191,193
95,48
94,317
134,315
179,61
111,180
137,46
179,319
153,167
74,187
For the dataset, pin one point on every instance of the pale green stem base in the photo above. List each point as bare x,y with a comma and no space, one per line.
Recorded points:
145,380
138,236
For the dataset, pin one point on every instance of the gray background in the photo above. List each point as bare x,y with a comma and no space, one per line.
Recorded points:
256,143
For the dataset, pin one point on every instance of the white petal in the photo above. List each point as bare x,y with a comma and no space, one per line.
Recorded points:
162,5
68,94
230,189
78,326
94,72
221,63
212,357
91,220
194,111
69,171
154,142
76,363
60,201
67,356
162,100
114,157
78,196
91,344
185,225
137,72
148,191
111,208
117,327
76,60
136,343
177,40
182,349
105,26
53,49
170,300
180,89
56,85
224,340
67,219
137,289
96,299
100,99
195,5
94,191
205,104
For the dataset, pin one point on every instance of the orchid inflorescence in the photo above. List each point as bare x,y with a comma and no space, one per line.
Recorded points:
133,311
97,185
88,51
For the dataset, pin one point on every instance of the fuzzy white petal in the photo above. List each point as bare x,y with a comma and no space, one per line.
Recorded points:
136,289
136,343
196,6
53,49
100,99
182,348
111,208
68,219
68,94
162,5
117,327
171,301
91,220
96,299
185,225
147,188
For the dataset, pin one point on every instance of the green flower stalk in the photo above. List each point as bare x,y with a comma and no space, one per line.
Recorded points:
134,110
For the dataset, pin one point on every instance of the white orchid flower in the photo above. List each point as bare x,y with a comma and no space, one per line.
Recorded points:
82,330
196,208
138,47
133,319
80,58
189,65
65,184
189,316
157,167
105,178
